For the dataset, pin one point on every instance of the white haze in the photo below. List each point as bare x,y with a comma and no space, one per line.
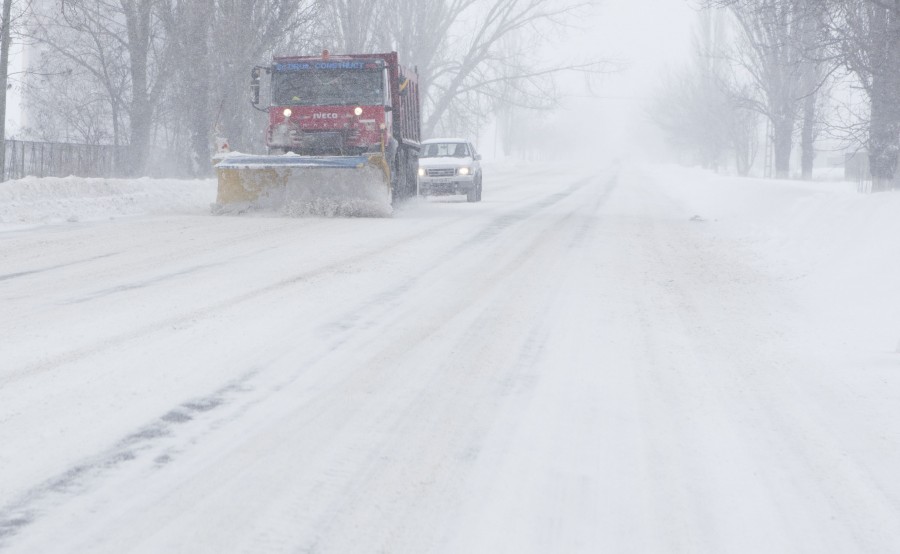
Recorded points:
607,115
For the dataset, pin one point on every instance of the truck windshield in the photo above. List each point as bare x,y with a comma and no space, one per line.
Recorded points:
328,87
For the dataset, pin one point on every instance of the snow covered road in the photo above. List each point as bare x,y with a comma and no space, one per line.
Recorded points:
572,365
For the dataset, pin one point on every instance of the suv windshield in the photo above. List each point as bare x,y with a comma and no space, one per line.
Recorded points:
445,150
328,87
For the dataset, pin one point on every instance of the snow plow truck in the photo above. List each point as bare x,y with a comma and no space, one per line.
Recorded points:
342,138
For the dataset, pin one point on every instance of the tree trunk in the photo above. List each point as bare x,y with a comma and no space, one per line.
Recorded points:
808,137
884,133
141,120
884,127
782,139
4,76
743,153
196,75
808,131
137,16
810,83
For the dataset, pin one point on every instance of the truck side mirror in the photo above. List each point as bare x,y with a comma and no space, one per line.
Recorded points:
254,86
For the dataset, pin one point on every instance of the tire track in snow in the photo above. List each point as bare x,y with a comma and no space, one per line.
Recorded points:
206,312
23,511
732,444
345,481
209,311
94,470
471,381
26,273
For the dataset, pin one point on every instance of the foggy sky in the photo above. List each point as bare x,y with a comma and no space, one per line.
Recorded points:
650,37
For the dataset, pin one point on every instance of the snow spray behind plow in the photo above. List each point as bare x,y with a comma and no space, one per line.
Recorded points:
343,186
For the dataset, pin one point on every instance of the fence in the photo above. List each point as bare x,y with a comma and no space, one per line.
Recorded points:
58,159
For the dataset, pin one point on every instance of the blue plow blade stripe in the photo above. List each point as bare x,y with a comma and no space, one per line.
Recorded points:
338,162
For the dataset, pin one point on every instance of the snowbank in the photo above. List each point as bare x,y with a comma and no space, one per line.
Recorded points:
837,245
53,199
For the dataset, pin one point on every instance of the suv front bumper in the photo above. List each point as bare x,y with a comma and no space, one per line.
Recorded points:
458,184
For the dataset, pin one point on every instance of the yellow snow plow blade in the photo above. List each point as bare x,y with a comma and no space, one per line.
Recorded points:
304,185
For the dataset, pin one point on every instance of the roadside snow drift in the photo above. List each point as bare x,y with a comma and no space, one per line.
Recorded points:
53,199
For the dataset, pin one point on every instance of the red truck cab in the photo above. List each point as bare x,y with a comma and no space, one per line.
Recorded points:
344,105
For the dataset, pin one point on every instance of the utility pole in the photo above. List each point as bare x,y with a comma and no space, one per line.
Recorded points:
4,79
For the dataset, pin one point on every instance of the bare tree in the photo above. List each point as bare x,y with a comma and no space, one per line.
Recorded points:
212,45
4,78
815,70
867,40
172,72
473,65
112,43
772,55
468,60
12,14
246,33
353,26
73,48
188,29
861,35
150,73
68,108
702,115
702,108
140,28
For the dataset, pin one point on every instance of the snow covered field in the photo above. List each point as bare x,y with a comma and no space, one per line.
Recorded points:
621,360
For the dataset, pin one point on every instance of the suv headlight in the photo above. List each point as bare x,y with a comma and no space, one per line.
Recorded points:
463,171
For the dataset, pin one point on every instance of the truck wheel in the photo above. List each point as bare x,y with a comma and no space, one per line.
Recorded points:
478,189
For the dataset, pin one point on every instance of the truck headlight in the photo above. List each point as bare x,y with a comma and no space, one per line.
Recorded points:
357,111
287,112
421,172
464,171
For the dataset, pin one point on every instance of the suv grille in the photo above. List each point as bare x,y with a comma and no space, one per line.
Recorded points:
450,172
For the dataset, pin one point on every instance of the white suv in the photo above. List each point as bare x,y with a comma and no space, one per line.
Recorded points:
450,166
